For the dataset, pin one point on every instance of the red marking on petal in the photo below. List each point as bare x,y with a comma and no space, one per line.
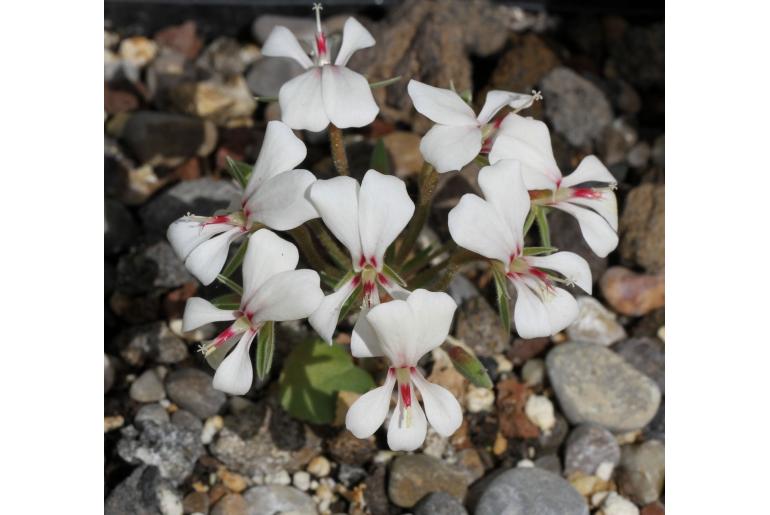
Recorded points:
589,193
406,394
368,288
361,262
539,274
320,42
383,280
356,281
223,337
373,261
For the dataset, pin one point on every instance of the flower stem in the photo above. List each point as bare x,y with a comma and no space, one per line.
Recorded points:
338,256
428,182
339,157
305,243
541,216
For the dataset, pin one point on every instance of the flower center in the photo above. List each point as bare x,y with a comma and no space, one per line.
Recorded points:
322,50
403,377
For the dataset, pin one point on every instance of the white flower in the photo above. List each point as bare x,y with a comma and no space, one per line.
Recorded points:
459,135
595,208
494,229
272,291
406,330
275,196
366,219
326,92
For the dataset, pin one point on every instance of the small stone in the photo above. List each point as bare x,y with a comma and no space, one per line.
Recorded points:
113,422
119,227
187,420
522,67
642,470
191,389
147,388
144,492
445,374
151,268
550,441
196,502
588,446
595,324
151,341
639,155
109,374
525,464
278,499
404,151
528,491
655,508
281,478
588,485
593,384
210,428
633,294
659,151
549,462
228,104
319,466
349,475
479,399
375,492
234,482
138,50
616,504
618,138
511,401
439,503
642,227
478,325
539,409
230,504
646,355
525,349
346,448
413,476
533,372
301,480
154,412
222,58
181,38
469,461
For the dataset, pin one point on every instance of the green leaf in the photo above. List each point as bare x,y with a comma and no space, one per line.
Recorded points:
239,170
230,284
469,366
529,221
265,349
535,251
380,160
236,260
503,307
391,274
230,301
313,374
383,83
541,217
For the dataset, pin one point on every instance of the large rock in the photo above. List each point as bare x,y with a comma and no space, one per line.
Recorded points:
261,500
524,64
413,476
594,384
588,446
642,471
154,267
439,503
144,492
529,491
642,227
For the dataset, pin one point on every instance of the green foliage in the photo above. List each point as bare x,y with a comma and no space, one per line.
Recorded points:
503,307
313,374
236,260
380,160
265,349
383,83
230,284
239,170
230,301
469,366
537,251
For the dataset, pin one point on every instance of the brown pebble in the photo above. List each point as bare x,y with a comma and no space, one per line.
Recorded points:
511,399
633,294
234,482
196,502
653,509
217,492
231,504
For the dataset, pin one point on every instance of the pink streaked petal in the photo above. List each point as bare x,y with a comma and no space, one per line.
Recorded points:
406,433
234,375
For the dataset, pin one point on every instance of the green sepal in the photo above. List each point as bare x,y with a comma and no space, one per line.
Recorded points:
391,274
239,170
380,160
265,349
469,366
541,217
231,301
535,251
236,260
529,221
503,307
230,284
349,302
383,83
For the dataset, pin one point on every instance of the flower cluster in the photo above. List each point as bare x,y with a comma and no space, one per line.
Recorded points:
381,273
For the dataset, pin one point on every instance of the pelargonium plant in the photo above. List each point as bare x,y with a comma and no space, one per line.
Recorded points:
360,241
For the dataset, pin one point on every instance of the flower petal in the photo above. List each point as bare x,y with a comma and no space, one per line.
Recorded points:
450,148
186,233
537,316
397,331
443,106
198,312
568,264
606,205
354,37
347,97
282,202
384,209
590,169
324,319
281,151
528,141
282,43
503,187
367,414
433,312
475,225
267,254
497,99
302,103
364,342
441,407
289,295
403,437
337,202
207,259
597,232
234,374
217,356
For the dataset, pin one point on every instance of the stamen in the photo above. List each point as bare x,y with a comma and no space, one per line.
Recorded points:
589,193
318,7
320,38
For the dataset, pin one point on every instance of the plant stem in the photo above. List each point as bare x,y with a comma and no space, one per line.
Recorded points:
428,182
305,243
339,257
541,216
339,157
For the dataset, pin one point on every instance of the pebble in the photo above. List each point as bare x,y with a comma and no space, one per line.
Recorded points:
222,58
228,104
439,503
154,267
528,491
113,422
642,470
478,325
144,491
191,389
196,502
616,504
148,387
639,155
301,480
350,475
511,401
109,374
533,372
479,399
266,76
278,499
595,324
403,148
346,448
646,355
183,38
210,428
153,341
281,478
319,466
588,446
413,476
119,227
593,384
185,419
551,441
633,294
642,227
232,481
549,462
138,50
470,462
230,504
375,492
539,409
154,412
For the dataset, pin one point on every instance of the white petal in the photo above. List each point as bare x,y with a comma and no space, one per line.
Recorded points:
402,437
364,342
289,295
354,37
281,151
384,209
302,103
234,374
267,254
475,225
337,202
590,169
597,232
395,290
535,316
433,312
282,203
368,413
397,331
441,407
450,148
217,356
198,312
324,319
568,264
528,141
347,97
282,43
503,187
606,205
186,233
207,259
497,99
562,309
440,105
